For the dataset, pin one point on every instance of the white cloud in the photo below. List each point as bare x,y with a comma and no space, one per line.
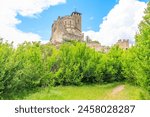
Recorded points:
120,23
8,21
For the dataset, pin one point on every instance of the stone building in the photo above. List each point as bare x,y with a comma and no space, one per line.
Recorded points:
124,44
67,28
70,28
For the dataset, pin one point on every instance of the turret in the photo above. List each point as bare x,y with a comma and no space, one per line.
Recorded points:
77,18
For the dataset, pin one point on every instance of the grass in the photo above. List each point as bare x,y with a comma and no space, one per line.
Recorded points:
90,92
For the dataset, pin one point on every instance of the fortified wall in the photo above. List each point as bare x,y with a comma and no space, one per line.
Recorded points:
96,45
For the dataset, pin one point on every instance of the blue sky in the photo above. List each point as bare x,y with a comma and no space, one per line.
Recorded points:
31,20
92,11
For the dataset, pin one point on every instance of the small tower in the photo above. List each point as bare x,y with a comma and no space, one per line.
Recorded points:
77,18
124,44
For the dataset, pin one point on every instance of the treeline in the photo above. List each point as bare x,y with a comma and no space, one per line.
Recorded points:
33,65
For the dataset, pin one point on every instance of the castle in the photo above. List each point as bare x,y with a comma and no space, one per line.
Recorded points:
67,28
70,28
124,44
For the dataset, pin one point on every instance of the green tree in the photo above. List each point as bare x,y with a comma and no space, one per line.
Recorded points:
6,53
51,62
143,51
112,65
70,64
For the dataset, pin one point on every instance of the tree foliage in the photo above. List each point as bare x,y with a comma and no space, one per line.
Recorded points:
142,51
112,65
137,59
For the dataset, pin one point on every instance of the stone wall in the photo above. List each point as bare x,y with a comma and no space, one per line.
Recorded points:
123,44
97,46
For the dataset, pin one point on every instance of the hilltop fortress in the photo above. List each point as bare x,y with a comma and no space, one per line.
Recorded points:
67,28
70,28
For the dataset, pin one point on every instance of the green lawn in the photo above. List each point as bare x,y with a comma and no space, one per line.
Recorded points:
90,92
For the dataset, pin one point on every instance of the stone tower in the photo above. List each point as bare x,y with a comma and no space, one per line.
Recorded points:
124,44
67,28
77,17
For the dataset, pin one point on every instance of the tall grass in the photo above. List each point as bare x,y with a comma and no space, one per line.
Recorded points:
90,92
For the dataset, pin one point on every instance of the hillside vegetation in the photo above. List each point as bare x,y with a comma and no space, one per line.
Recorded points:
33,66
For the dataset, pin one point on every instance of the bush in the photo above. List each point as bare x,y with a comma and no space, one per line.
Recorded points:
112,65
6,53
